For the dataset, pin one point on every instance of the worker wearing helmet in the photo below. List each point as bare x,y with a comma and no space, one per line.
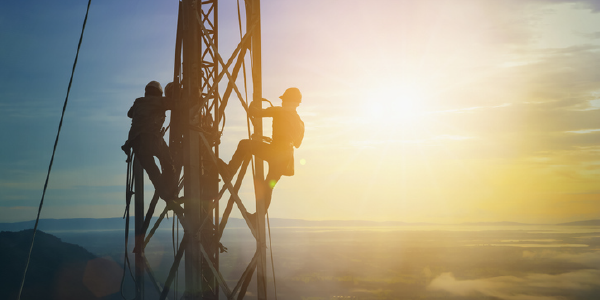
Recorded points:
288,132
146,139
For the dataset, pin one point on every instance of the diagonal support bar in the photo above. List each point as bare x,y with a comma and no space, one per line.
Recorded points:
155,227
230,85
176,209
242,45
150,212
229,207
235,196
174,267
217,274
242,284
151,275
225,66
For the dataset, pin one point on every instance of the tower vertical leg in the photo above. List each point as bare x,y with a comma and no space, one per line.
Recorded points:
138,172
209,183
191,145
259,181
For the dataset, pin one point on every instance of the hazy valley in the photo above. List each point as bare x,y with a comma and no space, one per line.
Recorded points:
395,262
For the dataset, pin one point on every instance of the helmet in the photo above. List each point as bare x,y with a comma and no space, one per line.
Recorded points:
292,94
169,89
154,85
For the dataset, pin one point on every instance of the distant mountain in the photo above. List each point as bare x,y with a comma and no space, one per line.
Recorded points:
83,224
582,223
495,224
57,270
278,222
69,224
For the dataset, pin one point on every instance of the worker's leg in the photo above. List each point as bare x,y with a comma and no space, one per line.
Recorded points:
272,178
244,150
280,159
143,149
169,176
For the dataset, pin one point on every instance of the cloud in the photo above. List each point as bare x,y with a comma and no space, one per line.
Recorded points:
594,5
589,259
530,287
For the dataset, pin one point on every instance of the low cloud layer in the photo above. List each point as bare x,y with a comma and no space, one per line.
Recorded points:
588,259
579,284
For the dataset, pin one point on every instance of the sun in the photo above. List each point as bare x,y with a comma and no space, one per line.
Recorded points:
396,107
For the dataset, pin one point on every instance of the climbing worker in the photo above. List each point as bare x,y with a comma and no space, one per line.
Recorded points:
146,139
288,132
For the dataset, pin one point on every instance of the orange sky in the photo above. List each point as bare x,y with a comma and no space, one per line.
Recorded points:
441,111
416,111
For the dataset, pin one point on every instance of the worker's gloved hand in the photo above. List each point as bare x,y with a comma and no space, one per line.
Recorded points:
127,149
255,105
262,138
254,111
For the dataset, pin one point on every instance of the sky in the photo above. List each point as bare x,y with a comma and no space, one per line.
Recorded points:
415,111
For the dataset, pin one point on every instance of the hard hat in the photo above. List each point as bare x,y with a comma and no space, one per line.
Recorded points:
292,94
154,85
169,89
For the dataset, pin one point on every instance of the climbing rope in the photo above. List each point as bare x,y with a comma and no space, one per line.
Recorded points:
271,251
128,193
175,250
53,152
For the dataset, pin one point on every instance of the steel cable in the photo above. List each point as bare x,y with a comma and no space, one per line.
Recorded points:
53,152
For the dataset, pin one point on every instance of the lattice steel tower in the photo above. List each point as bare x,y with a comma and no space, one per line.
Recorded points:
194,139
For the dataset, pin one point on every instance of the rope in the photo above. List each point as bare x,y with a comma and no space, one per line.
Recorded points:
271,250
245,79
53,152
266,100
243,61
175,250
128,194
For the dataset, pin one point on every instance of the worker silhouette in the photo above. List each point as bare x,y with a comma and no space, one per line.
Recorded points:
146,139
288,132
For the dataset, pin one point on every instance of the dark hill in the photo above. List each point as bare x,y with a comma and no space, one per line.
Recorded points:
57,270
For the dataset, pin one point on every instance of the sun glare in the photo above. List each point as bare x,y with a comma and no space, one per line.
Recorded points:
395,107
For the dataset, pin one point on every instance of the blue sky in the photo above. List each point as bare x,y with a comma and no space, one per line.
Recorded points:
438,111
37,56
126,44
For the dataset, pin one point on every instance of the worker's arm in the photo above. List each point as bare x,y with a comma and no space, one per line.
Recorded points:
131,110
256,110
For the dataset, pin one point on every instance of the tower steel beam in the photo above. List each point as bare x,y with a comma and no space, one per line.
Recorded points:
259,181
209,120
200,173
138,172
191,150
